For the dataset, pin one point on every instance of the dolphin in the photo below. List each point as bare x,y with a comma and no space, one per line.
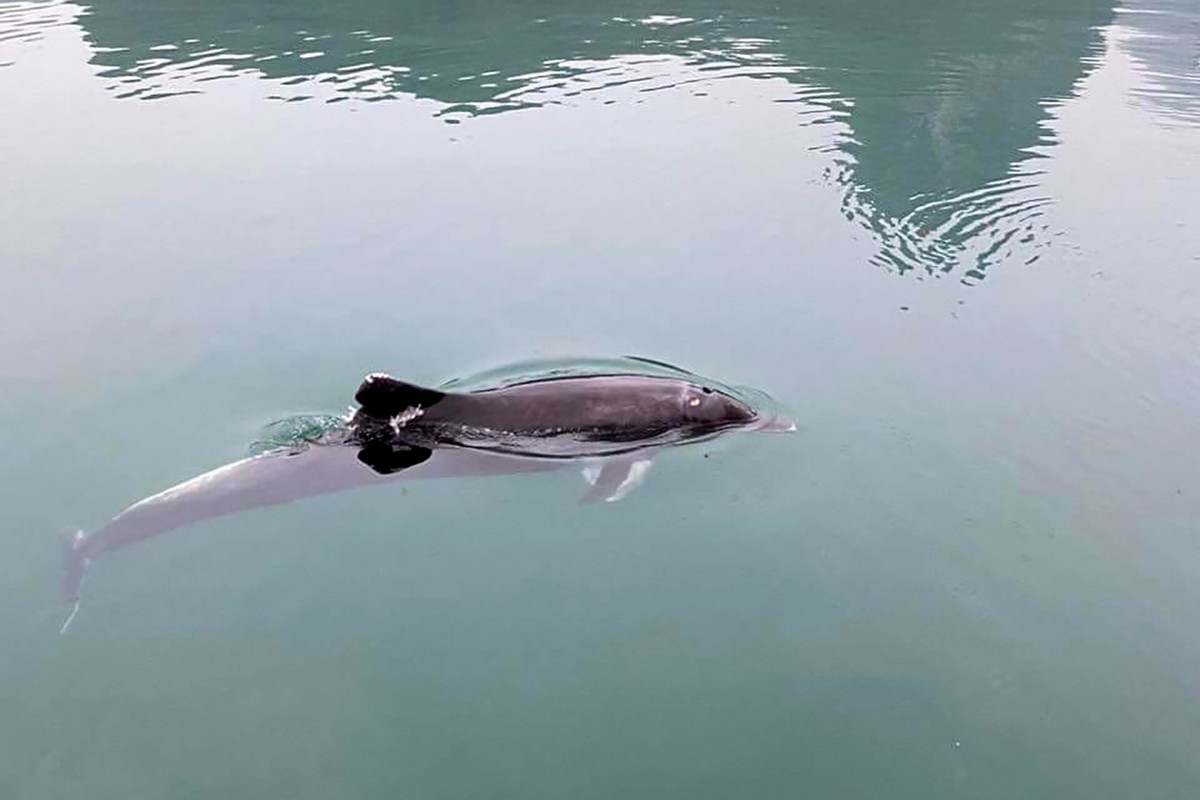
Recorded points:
613,424
561,417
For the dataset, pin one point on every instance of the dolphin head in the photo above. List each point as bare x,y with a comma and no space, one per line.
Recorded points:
707,408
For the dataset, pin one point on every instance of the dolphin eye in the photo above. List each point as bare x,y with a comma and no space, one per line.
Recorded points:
707,390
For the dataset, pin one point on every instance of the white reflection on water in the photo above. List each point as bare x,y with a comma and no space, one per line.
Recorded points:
935,142
935,152
935,135
1163,37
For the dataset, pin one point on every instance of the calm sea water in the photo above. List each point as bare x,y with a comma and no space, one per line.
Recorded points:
958,241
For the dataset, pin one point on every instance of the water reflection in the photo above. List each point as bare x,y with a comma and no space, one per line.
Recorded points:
1163,36
26,21
939,113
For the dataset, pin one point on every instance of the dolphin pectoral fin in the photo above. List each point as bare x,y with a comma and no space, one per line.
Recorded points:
387,458
616,478
74,563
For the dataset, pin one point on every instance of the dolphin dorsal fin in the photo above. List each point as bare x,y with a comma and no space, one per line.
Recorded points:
383,396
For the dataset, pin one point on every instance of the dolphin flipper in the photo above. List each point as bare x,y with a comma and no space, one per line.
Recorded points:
615,478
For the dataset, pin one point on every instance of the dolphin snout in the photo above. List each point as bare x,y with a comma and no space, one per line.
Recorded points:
777,425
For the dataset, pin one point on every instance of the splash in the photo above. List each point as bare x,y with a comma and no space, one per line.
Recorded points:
298,432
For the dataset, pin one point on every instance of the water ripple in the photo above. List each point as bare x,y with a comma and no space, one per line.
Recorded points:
1163,37
29,21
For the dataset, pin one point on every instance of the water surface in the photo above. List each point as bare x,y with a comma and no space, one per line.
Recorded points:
958,242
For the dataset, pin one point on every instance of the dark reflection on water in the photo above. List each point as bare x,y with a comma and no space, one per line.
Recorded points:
940,111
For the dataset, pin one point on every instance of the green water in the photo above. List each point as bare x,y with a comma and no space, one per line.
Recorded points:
959,242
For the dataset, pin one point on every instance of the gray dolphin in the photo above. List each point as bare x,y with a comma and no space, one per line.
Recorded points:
564,417
613,424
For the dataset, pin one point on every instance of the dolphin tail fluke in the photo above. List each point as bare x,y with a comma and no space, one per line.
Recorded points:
74,563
